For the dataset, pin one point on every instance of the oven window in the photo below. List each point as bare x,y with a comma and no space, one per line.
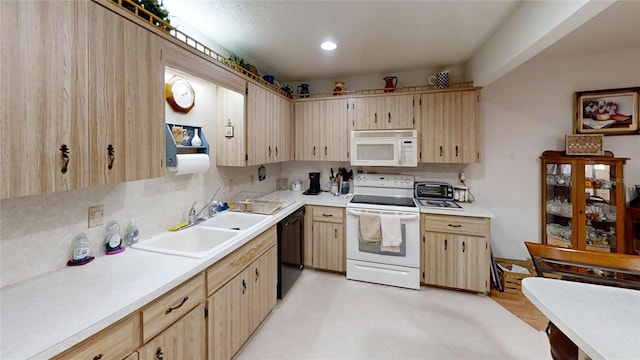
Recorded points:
374,248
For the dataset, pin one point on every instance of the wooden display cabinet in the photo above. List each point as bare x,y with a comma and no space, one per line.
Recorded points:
632,229
583,201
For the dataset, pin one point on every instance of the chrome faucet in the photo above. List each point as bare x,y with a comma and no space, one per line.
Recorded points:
212,205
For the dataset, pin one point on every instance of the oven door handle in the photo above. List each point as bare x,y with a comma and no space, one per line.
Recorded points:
403,216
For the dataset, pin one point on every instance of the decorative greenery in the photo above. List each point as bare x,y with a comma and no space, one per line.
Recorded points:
287,88
240,61
153,6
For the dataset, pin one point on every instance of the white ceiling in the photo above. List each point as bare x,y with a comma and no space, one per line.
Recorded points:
374,37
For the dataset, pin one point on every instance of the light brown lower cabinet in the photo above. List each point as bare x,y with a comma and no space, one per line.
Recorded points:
115,342
325,246
238,307
457,252
133,356
241,290
183,340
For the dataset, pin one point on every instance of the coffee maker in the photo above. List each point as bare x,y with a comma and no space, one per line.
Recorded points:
314,184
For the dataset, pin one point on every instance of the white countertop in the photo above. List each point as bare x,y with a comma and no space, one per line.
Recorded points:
44,316
603,321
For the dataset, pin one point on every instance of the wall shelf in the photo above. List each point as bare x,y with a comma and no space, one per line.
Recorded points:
174,148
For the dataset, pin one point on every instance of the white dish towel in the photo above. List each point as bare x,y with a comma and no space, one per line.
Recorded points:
391,233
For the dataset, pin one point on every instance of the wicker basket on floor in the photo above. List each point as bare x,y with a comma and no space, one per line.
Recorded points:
512,281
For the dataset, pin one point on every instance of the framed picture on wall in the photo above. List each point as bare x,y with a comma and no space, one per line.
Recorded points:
608,112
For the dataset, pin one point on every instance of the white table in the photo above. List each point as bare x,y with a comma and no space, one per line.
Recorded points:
603,321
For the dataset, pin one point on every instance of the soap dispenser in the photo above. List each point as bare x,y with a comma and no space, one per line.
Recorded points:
80,250
112,240
131,234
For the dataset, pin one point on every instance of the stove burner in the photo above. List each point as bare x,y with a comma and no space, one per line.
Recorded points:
383,200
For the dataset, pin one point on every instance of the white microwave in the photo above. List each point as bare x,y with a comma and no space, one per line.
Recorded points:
384,148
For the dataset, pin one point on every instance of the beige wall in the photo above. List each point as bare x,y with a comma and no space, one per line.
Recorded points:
529,111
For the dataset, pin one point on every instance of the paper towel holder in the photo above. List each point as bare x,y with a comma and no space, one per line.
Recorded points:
185,146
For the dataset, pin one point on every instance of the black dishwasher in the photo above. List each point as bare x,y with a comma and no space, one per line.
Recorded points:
290,250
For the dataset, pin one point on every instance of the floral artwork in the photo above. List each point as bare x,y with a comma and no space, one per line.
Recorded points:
609,112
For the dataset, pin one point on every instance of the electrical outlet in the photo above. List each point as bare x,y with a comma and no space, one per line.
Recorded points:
462,177
96,215
230,185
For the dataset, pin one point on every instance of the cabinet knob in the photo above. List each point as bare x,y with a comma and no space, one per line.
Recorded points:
276,150
389,121
159,354
327,215
445,244
335,233
64,149
244,286
269,150
463,247
375,118
456,150
325,151
98,357
314,151
257,274
440,150
110,151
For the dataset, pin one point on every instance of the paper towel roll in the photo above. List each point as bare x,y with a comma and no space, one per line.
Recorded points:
191,163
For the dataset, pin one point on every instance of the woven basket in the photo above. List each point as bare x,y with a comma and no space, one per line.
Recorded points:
511,281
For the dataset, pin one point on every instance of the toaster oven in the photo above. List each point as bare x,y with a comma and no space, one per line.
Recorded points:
433,190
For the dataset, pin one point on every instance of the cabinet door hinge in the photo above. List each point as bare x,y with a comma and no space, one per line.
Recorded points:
206,313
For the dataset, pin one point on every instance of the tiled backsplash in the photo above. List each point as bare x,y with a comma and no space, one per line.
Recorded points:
36,231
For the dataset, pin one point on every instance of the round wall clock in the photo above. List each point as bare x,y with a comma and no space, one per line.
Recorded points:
180,94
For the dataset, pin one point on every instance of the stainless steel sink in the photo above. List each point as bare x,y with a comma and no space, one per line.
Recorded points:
196,242
234,220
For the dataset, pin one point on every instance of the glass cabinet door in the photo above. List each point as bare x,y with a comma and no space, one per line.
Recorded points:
558,204
600,208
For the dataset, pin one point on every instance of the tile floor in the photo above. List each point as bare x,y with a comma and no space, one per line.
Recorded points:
326,316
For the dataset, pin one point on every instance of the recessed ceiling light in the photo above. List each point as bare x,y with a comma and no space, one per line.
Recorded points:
328,45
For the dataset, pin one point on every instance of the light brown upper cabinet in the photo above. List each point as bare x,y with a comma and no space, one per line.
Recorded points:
77,110
322,129
268,126
450,127
44,122
261,129
126,110
384,112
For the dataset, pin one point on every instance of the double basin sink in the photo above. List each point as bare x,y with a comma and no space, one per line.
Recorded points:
204,239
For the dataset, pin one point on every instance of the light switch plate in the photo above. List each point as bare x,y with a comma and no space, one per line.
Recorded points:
96,215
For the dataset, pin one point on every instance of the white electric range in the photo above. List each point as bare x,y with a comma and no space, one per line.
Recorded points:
386,196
